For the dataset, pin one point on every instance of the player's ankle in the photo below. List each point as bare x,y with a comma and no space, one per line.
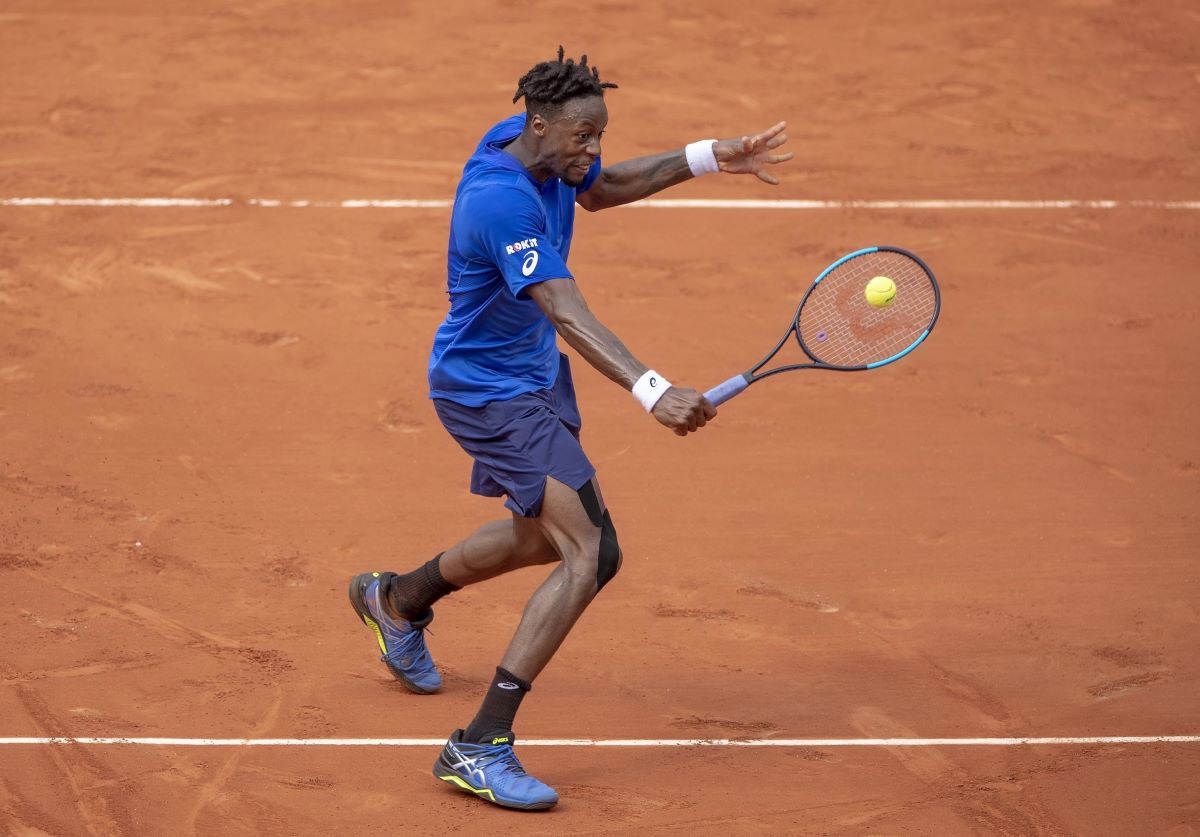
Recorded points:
410,596
499,709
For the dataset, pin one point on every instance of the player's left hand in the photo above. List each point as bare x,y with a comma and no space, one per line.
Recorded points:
750,155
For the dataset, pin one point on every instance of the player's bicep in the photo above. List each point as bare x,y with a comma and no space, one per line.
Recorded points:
592,199
560,299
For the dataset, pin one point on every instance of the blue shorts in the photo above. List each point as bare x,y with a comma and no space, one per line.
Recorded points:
517,443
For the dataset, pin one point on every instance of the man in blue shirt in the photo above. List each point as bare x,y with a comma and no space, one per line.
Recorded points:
503,390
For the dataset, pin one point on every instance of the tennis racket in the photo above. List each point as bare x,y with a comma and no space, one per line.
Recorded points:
838,329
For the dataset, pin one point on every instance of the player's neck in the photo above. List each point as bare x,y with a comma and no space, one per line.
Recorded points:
527,157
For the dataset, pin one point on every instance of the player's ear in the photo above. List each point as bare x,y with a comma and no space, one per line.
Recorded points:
538,124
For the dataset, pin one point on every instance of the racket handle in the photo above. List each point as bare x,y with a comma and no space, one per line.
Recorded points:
722,392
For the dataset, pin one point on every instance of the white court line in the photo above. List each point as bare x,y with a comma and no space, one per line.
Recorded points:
272,203
171,202
626,742
916,204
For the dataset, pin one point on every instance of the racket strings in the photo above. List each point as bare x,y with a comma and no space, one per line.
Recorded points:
836,325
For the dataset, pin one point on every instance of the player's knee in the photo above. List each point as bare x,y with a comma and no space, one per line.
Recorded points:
608,561
608,551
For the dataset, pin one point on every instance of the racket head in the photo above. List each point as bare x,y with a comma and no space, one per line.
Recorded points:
839,329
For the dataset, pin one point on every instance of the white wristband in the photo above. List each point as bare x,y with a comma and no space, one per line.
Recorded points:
701,158
649,388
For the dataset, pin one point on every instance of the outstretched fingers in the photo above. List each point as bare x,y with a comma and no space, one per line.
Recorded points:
772,133
750,154
773,159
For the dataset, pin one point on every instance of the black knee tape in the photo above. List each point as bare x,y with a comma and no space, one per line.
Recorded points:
609,559
610,553
591,504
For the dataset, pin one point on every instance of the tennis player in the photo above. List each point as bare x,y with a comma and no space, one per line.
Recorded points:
503,390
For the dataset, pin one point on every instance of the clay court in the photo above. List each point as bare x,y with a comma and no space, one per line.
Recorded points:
212,415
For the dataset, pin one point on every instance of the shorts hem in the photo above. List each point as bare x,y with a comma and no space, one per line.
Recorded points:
534,507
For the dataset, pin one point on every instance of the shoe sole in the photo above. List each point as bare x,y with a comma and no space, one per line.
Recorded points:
444,772
358,586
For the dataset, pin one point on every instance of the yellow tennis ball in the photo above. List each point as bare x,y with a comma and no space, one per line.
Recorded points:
880,292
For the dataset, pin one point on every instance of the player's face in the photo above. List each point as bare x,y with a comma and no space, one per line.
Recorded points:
571,142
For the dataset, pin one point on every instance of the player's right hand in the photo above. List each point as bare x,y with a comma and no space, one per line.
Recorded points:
684,410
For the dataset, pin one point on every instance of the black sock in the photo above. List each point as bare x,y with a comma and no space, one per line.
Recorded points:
499,708
411,595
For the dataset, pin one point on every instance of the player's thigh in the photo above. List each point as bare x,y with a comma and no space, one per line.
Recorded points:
567,525
530,544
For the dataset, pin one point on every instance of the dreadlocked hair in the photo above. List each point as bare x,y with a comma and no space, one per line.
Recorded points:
551,83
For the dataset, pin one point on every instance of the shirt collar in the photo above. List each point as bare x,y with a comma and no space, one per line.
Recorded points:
503,134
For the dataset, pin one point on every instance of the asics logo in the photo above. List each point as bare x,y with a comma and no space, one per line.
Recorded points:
506,685
474,772
517,246
529,264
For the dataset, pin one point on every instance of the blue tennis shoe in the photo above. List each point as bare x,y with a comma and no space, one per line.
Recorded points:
402,643
492,772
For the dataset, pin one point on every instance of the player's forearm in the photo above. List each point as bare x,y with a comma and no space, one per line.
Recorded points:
639,178
566,308
596,344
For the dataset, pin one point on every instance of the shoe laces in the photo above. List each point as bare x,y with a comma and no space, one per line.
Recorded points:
502,755
412,644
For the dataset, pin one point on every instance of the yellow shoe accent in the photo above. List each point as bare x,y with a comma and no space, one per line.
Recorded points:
503,740
458,780
378,633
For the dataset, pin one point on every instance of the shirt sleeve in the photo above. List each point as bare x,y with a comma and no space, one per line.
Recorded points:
510,230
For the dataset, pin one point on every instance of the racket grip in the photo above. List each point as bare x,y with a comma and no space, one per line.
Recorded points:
722,392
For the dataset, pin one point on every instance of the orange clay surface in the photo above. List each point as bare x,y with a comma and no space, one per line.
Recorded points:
211,418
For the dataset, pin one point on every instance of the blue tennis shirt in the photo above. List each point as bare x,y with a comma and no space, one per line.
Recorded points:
507,232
